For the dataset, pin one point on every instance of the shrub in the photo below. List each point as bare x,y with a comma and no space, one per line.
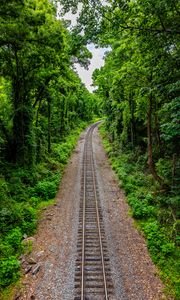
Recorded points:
157,241
4,189
34,201
121,173
5,215
140,209
28,219
20,215
42,171
6,250
14,239
45,190
55,177
63,150
9,270
164,168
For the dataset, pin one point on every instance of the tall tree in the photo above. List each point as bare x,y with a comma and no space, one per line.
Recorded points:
35,50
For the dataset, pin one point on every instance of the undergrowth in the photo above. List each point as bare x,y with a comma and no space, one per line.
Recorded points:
156,213
23,193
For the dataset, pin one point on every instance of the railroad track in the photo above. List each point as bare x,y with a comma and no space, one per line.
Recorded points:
92,275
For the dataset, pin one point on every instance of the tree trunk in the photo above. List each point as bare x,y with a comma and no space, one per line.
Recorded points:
49,123
133,130
37,113
22,152
173,168
150,146
158,139
4,131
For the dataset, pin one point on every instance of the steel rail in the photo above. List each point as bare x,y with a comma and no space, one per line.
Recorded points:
84,213
84,219
99,228
89,136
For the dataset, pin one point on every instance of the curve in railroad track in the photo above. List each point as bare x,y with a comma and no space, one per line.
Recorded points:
92,275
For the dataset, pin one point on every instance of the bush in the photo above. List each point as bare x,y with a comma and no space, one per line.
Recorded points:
34,201
157,241
9,270
14,239
20,215
6,250
140,209
164,168
4,189
45,190
55,177
63,150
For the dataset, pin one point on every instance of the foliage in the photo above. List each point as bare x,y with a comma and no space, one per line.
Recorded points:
157,241
45,190
42,97
156,214
139,91
18,214
9,270
13,238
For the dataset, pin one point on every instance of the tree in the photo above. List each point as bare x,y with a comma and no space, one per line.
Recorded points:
36,50
144,50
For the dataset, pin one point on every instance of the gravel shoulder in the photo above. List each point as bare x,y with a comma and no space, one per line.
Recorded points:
54,245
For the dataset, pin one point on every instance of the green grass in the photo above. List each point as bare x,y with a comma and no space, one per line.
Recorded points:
154,213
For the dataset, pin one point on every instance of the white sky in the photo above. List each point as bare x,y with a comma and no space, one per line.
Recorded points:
96,61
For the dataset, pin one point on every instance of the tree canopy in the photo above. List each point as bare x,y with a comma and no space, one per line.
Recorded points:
37,54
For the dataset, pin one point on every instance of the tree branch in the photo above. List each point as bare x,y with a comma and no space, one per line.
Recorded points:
149,29
41,91
169,31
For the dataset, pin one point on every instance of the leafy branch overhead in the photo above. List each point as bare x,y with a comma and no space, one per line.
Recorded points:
107,18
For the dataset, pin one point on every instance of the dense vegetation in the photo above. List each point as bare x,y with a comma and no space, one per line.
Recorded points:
43,102
43,108
139,87
139,91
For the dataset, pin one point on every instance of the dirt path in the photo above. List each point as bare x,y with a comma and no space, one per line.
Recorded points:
52,260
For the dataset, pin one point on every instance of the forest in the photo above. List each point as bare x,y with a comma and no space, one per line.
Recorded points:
44,106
